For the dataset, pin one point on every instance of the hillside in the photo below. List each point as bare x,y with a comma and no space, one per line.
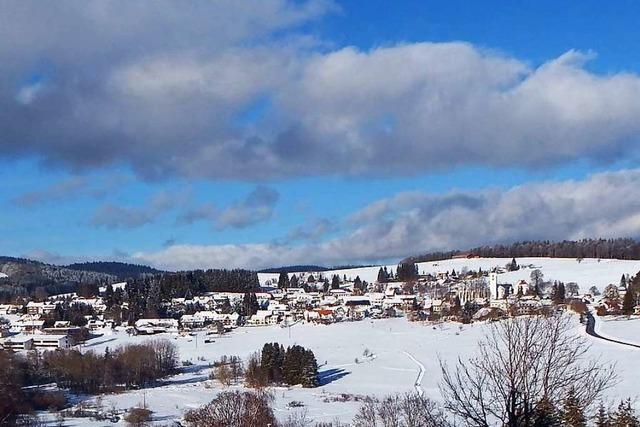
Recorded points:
623,248
23,276
121,270
586,272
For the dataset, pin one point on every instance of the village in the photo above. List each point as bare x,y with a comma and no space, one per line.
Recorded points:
465,296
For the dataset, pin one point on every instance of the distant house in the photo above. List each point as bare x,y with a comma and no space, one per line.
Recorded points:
30,342
51,341
35,308
263,318
156,326
17,342
320,315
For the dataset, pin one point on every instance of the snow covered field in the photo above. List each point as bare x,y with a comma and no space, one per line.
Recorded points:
585,273
622,328
400,349
405,355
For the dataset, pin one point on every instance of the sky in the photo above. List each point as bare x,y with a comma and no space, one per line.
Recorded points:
261,133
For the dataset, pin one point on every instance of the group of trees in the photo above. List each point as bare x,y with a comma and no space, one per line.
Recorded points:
405,272
275,365
528,372
68,311
228,370
407,410
586,248
632,295
132,365
234,408
145,295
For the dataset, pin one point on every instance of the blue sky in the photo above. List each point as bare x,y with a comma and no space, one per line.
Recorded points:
314,131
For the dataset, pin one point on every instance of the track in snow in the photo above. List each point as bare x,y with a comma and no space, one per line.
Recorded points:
418,383
591,330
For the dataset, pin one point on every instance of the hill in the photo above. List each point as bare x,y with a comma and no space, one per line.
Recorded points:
121,270
624,248
24,276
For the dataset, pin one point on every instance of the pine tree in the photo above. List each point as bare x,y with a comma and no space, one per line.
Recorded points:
292,365
546,414
602,418
309,370
335,282
108,297
250,304
357,284
628,302
572,411
625,416
382,276
294,283
283,280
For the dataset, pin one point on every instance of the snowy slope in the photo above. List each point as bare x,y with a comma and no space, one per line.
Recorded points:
586,273
400,348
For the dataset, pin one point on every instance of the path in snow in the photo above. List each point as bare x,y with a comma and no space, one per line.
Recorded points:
418,383
591,330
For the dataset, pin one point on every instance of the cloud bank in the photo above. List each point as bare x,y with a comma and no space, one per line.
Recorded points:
411,223
237,90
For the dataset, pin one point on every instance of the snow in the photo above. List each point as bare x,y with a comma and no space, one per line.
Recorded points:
586,273
2,276
405,358
622,328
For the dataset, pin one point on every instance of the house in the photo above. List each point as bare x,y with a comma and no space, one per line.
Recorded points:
156,326
17,342
263,318
35,308
320,315
28,324
8,309
51,341
203,318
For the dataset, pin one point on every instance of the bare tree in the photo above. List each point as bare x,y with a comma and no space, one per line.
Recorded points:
400,410
223,374
234,408
522,362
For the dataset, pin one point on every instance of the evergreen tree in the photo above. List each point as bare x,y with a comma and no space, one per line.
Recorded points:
623,282
602,418
283,280
309,370
572,411
294,282
382,276
108,297
625,416
558,293
546,414
629,301
292,366
250,304
357,284
335,282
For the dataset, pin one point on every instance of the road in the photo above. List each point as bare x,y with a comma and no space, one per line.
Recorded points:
591,330
418,383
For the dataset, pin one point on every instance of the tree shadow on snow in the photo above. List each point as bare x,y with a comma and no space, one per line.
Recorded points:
330,375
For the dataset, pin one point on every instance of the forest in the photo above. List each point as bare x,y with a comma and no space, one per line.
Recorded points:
622,248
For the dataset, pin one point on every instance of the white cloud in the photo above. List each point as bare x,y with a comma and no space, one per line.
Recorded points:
161,89
602,205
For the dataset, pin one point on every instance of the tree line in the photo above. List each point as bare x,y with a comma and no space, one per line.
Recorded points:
622,248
